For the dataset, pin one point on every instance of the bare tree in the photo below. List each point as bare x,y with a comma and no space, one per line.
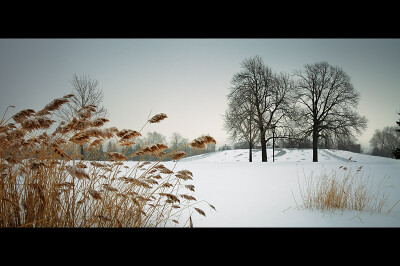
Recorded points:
86,92
239,122
385,141
328,102
155,138
177,141
267,94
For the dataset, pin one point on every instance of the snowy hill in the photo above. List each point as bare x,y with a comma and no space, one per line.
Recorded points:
267,194
289,155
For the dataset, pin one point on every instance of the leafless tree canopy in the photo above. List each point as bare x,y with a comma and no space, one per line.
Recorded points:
328,102
385,141
318,101
86,92
260,95
239,123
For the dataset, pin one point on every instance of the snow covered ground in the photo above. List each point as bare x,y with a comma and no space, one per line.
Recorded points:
268,194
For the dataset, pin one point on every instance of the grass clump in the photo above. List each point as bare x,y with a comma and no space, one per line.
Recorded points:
46,182
344,189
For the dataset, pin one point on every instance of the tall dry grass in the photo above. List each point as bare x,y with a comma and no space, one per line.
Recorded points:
342,189
45,181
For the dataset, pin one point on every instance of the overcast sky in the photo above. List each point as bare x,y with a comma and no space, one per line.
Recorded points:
188,79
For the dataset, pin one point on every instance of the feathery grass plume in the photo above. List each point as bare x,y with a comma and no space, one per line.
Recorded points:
184,174
39,122
190,187
30,124
116,156
151,181
61,153
109,133
55,104
156,176
36,165
68,96
109,187
154,149
157,118
201,142
77,172
80,165
42,112
95,194
94,132
127,134
188,197
170,197
177,155
86,111
97,164
98,122
57,142
96,143
167,185
200,211
22,115
80,138
41,188
82,124
162,169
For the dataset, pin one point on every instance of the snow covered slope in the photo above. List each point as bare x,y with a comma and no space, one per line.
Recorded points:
289,155
267,194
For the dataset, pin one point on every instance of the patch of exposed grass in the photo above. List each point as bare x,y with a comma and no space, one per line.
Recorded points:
344,189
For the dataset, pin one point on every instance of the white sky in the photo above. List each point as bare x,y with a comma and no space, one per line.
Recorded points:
188,79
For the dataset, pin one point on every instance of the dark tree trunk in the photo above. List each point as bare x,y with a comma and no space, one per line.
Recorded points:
250,152
315,145
263,149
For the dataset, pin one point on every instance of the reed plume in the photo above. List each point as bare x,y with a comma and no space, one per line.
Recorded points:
42,183
157,118
201,142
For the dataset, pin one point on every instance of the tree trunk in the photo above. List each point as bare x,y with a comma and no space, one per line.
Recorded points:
315,145
263,149
250,152
250,143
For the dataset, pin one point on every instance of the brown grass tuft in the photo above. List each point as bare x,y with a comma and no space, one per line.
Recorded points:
344,190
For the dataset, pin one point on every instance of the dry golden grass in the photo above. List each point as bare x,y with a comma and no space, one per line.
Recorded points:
45,181
344,189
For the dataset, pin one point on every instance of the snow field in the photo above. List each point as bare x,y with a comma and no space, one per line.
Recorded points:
267,194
